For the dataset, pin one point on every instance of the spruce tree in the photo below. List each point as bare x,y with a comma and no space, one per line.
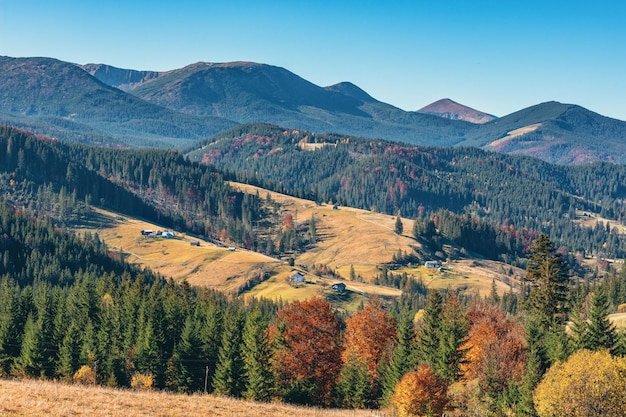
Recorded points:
601,333
257,357
549,277
398,227
429,332
354,384
228,378
402,359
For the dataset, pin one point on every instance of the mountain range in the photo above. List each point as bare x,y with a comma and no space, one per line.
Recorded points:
98,103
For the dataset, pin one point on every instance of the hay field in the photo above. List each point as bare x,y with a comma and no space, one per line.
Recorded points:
53,399
205,265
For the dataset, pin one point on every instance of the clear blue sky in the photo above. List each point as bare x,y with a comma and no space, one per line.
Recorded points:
495,56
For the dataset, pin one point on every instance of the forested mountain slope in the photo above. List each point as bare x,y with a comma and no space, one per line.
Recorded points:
518,195
61,100
62,180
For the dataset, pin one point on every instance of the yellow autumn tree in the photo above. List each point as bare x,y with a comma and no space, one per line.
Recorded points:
588,384
420,393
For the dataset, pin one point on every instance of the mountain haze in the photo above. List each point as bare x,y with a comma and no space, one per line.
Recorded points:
174,108
59,99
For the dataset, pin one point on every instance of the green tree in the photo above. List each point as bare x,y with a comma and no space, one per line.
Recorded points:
601,333
398,227
430,330
354,384
549,277
403,357
228,378
257,357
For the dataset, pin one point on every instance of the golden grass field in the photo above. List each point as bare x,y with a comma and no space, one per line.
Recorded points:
53,399
347,238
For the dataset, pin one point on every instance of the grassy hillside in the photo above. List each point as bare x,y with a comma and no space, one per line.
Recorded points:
347,238
45,398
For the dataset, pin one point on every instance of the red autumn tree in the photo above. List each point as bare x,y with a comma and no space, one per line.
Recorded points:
496,348
369,333
308,356
420,393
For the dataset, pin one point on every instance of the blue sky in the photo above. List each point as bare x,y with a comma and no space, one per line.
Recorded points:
495,56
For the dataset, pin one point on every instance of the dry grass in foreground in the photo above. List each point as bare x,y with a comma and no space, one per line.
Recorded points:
45,398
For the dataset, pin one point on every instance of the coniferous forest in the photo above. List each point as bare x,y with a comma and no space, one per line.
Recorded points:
71,309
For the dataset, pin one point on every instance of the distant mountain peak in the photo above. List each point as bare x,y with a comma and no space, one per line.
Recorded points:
350,90
450,109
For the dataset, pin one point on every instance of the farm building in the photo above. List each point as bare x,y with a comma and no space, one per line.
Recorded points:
167,235
338,286
195,243
297,277
432,264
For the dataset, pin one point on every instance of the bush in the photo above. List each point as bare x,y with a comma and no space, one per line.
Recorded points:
85,376
141,381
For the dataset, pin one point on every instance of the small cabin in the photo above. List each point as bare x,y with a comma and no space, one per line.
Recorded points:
147,232
297,277
432,264
338,286
231,248
167,235
195,243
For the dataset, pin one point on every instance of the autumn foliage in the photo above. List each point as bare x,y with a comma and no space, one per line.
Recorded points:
495,349
308,358
420,393
369,333
588,384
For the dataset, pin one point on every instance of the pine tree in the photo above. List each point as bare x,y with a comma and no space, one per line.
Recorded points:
453,333
548,273
185,370
354,384
228,378
402,359
398,227
429,332
257,357
601,333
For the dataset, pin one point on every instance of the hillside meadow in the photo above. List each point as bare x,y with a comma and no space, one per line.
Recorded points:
54,399
348,238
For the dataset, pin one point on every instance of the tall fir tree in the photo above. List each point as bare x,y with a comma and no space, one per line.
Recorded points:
601,333
257,358
548,275
402,359
228,378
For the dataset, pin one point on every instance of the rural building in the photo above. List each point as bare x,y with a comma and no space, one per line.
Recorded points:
194,243
297,277
432,264
147,232
167,235
338,286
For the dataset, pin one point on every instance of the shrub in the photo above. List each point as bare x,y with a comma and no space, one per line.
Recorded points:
141,381
85,376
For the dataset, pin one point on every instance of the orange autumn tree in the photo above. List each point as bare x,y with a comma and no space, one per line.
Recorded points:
369,334
496,349
308,355
420,393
